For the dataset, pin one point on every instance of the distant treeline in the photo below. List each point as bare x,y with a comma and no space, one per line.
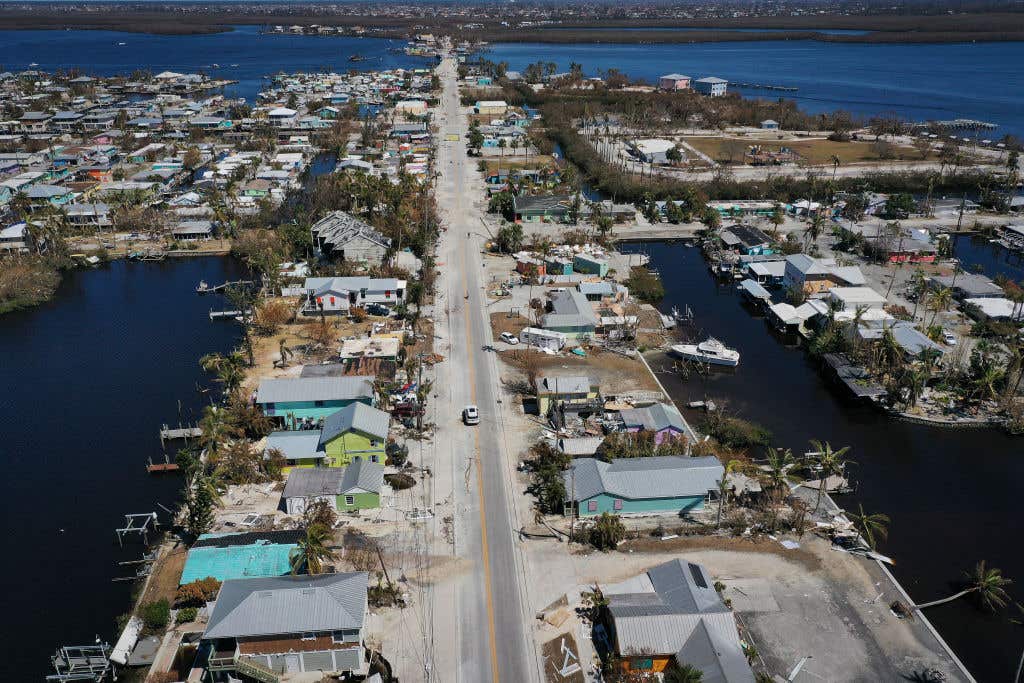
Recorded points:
185,18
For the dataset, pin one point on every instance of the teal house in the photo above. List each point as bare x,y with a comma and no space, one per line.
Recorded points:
292,399
240,555
589,265
641,486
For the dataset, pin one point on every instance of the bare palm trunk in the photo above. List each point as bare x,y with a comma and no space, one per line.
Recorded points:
951,598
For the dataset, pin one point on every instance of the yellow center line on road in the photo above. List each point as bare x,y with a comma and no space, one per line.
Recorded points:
495,677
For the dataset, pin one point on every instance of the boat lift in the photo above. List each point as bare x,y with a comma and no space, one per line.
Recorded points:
81,663
139,523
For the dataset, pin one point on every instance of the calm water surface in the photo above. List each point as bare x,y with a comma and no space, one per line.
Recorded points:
243,54
918,81
88,380
953,495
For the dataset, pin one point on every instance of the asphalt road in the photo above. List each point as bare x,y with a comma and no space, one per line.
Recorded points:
492,628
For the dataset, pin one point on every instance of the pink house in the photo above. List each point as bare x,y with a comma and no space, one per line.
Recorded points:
674,82
663,419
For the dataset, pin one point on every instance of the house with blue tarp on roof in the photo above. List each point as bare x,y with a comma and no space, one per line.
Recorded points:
242,555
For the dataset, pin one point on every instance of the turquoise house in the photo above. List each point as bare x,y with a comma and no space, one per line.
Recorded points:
240,555
660,485
557,265
293,399
589,265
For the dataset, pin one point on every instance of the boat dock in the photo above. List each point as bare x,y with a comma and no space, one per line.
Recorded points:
765,86
221,315
204,288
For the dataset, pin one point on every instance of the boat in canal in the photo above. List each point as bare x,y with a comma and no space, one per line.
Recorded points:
710,351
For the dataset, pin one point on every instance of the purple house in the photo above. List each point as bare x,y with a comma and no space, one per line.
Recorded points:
664,420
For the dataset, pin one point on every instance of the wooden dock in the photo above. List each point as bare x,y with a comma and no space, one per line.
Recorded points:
223,315
161,467
179,432
204,288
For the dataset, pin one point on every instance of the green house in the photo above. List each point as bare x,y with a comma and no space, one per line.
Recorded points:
346,489
641,486
357,432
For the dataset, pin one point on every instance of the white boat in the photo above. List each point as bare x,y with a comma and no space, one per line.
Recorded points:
710,351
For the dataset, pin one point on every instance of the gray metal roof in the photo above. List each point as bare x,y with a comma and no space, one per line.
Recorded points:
667,476
357,416
570,384
313,482
296,389
677,611
283,605
653,418
295,445
363,475
339,228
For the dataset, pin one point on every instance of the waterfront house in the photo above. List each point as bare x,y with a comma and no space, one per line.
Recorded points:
744,208
660,485
967,285
569,312
769,124
34,122
15,238
555,391
674,82
356,432
661,419
345,489
242,555
913,342
290,399
589,265
340,294
95,215
261,628
818,275
192,230
853,299
342,235
672,616
711,86
746,239
542,208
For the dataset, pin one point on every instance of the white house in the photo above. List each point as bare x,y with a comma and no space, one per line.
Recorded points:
712,86
282,117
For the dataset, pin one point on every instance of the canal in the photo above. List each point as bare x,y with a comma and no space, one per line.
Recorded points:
952,494
88,378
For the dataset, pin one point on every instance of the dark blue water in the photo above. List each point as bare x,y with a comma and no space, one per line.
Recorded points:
953,495
917,81
823,31
88,379
257,56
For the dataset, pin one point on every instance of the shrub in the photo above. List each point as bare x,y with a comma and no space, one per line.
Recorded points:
186,615
397,453
156,615
400,481
197,593
645,285
607,532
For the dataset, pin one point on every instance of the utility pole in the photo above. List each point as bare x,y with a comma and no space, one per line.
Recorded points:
419,387
960,217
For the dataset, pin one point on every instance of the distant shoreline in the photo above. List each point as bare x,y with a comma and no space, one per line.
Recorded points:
879,29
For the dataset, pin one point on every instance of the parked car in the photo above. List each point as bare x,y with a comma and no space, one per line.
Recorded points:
470,415
509,338
377,309
949,338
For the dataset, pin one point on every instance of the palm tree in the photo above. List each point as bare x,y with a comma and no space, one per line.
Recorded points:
829,462
312,550
779,461
835,166
940,302
988,583
813,231
684,673
918,287
871,526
